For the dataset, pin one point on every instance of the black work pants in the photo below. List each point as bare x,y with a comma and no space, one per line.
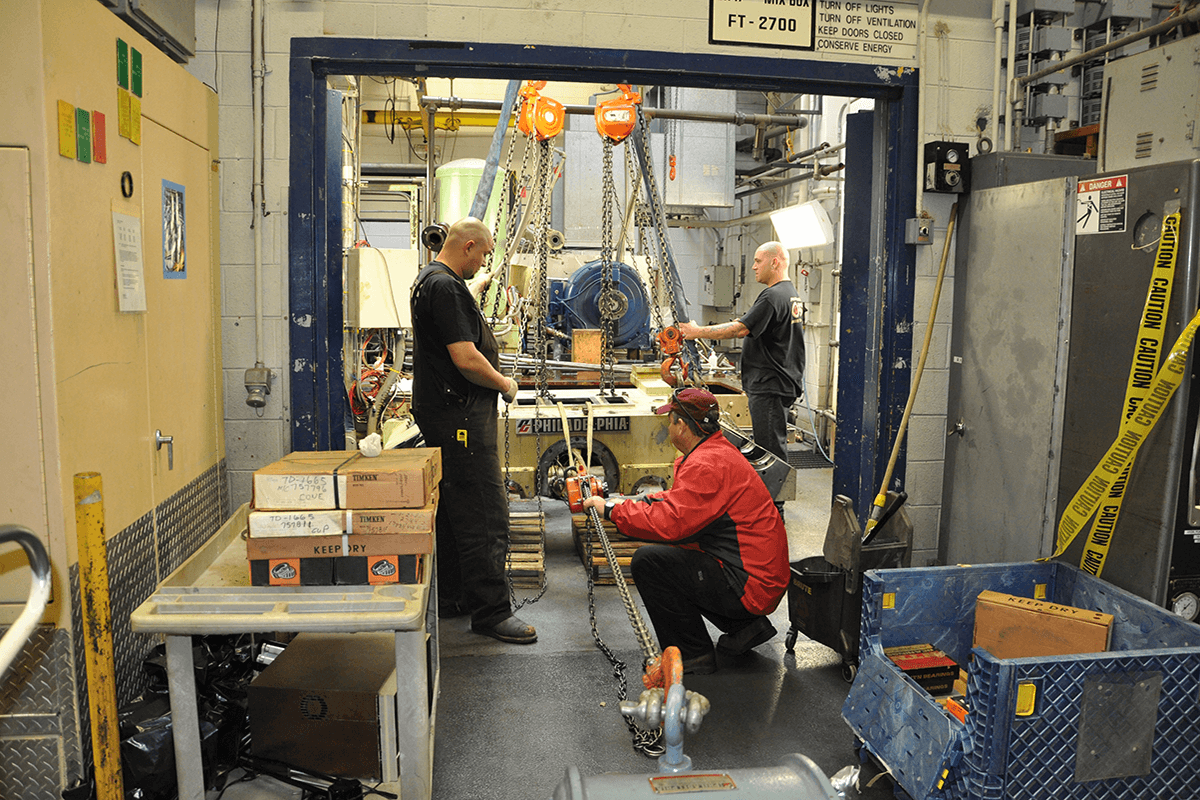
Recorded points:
472,515
768,418
680,588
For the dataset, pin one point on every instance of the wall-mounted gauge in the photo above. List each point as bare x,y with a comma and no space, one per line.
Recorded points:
1186,605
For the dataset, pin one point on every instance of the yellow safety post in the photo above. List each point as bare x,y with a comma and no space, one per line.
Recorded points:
97,635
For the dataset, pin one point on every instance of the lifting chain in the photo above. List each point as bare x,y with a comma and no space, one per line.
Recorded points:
646,742
610,299
657,221
526,186
641,219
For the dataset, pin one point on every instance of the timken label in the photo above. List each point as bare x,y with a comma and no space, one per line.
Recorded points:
329,522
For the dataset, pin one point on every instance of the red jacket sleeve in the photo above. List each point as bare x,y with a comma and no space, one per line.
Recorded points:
674,515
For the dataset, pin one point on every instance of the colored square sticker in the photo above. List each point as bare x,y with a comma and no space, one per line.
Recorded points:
283,572
83,135
99,145
135,119
889,600
123,113
383,569
66,129
122,64
135,71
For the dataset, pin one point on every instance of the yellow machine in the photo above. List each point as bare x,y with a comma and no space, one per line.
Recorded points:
629,445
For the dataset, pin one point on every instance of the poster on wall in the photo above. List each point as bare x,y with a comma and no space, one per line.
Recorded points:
127,246
174,230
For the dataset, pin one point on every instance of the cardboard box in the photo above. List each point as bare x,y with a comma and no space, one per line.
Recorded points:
345,479
1018,627
328,703
330,522
381,544
932,669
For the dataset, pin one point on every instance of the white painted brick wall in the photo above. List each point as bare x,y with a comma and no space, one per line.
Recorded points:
666,25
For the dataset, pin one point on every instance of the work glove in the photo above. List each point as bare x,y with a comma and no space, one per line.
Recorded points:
510,393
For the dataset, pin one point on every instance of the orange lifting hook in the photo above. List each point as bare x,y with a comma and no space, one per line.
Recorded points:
541,117
616,118
670,341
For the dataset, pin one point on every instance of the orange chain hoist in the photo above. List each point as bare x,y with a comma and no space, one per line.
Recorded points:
616,118
541,117
670,341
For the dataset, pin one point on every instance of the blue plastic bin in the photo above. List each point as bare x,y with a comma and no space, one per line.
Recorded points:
1119,724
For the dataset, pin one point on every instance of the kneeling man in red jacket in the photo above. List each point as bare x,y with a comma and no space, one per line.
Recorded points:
724,551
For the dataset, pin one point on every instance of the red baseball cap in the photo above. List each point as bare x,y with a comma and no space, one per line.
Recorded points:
691,402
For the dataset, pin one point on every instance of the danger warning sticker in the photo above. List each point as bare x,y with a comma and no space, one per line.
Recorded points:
1100,205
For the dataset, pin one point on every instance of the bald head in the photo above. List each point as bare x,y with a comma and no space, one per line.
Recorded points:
467,246
770,263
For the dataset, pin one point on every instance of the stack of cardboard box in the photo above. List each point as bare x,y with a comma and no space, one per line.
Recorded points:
338,517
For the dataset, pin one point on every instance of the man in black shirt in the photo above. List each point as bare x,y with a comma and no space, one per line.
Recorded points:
773,353
455,384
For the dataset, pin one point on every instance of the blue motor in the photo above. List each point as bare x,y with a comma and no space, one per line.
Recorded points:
575,303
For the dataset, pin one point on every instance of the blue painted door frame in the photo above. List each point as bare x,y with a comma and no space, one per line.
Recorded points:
877,384
875,333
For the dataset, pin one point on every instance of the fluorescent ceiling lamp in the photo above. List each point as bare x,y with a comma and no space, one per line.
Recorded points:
805,225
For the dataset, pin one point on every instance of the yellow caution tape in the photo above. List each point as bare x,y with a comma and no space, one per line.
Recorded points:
1123,451
1141,372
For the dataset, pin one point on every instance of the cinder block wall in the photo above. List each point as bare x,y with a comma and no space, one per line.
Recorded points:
958,72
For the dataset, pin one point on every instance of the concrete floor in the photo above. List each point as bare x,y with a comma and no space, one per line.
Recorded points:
511,719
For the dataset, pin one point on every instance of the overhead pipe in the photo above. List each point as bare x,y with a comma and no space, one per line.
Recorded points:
923,45
997,54
736,118
822,150
772,133
258,378
1010,118
819,172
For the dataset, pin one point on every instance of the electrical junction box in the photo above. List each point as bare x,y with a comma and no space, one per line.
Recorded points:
947,167
1055,39
1152,101
1091,14
377,287
716,285
1048,106
1045,10
328,703
1060,78
918,231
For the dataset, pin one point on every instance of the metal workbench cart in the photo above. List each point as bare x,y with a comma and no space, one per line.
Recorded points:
210,593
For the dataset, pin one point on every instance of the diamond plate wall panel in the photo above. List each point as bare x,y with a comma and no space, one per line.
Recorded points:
138,558
68,694
131,579
28,693
79,754
188,518
30,769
